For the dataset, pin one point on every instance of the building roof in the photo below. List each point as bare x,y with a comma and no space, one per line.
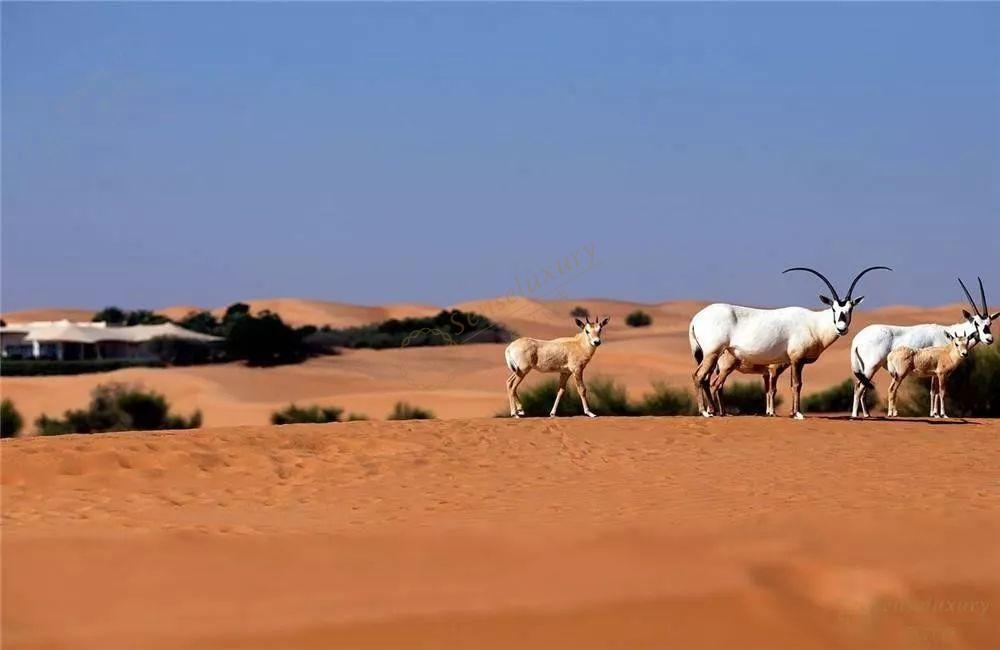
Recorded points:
68,332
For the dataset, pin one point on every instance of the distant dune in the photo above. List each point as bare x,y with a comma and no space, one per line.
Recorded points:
497,534
44,313
453,381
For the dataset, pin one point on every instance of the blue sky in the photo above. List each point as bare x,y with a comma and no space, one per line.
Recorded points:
156,154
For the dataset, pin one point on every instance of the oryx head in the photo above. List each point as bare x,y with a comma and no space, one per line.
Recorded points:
980,319
961,343
593,330
840,309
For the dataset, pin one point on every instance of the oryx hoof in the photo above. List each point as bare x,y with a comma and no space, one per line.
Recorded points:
590,415
798,416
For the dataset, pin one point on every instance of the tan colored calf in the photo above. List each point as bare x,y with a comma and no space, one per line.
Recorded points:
728,363
937,363
568,356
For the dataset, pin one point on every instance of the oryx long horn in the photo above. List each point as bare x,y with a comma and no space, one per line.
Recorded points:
850,292
969,296
817,274
982,294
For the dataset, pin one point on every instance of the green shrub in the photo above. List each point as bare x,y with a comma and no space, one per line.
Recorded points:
580,312
45,367
203,322
666,400
973,390
446,328
638,318
746,398
293,414
119,407
11,421
836,399
110,315
182,352
117,316
265,340
404,411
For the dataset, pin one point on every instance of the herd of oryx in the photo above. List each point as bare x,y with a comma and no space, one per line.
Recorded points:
726,338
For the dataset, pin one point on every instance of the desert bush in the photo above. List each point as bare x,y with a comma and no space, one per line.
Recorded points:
605,398
118,316
44,367
580,312
110,315
356,417
182,352
973,390
11,421
638,318
265,340
202,321
667,400
446,328
746,398
836,399
119,407
404,411
314,414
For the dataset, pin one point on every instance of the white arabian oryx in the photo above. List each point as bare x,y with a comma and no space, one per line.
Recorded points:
871,347
761,337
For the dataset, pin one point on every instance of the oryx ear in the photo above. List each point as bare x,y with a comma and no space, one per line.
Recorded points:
948,335
579,323
995,316
967,315
605,321
857,301
826,301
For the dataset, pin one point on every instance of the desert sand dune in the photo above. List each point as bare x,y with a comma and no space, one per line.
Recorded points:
43,313
570,533
453,381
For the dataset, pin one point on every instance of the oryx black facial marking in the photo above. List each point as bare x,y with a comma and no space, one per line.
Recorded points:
981,319
841,309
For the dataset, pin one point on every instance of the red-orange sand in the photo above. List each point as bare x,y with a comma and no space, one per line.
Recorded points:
483,533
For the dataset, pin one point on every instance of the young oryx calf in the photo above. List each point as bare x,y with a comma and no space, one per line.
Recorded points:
728,363
937,363
567,356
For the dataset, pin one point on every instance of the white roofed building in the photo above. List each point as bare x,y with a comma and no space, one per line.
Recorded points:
65,340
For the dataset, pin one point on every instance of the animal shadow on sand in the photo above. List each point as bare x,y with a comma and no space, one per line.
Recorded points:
882,418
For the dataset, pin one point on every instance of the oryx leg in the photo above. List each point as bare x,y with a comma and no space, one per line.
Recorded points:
942,390
510,394
768,396
797,390
890,410
727,364
772,395
859,389
934,396
701,378
563,378
581,388
516,409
